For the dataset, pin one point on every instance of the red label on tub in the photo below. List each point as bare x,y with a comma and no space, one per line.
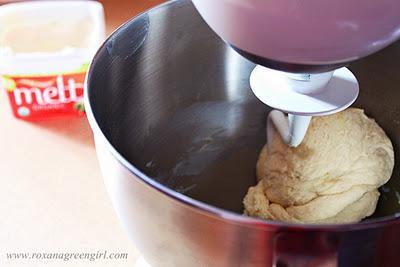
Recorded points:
40,97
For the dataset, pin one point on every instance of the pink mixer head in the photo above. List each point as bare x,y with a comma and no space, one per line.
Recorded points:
304,31
307,37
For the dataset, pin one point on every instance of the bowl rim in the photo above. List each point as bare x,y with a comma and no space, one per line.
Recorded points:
199,206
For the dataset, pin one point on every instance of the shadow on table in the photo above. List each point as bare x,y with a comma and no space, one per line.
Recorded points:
76,129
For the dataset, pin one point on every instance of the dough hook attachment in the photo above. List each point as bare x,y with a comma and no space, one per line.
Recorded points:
302,96
292,128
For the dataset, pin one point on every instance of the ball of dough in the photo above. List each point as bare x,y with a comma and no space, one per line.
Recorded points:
331,177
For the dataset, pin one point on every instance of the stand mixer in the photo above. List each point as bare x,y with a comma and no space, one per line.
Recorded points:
301,48
177,130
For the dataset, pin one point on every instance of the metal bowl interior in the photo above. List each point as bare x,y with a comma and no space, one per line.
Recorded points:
175,102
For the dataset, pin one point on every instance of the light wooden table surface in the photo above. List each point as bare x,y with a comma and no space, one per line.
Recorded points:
52,197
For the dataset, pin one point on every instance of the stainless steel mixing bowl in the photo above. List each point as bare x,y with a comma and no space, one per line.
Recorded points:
178,131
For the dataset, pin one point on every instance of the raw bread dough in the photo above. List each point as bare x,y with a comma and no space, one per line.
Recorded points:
332,177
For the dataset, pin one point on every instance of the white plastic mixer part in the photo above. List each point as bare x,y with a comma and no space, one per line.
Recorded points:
302,96
292,128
